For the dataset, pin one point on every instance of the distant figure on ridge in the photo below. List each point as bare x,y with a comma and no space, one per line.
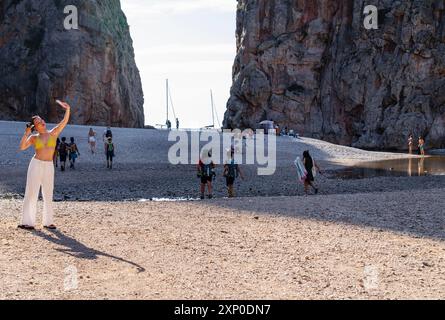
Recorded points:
41,169
177,124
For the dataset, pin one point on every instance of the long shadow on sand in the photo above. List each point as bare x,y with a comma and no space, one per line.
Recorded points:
78,250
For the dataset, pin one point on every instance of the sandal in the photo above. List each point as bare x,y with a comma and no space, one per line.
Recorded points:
26,227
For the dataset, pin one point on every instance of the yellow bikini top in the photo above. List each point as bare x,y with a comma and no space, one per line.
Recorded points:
51,143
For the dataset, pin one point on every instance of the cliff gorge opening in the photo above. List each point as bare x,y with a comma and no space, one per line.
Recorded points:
333,79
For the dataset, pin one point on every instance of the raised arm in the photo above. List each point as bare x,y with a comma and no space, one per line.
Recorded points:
59,128
27,140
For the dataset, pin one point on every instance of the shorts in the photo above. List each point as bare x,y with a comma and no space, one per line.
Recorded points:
230,181
73,156
62,157
205,179
110,155
92,139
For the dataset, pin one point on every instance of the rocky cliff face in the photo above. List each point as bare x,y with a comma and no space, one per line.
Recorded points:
93,68
311,65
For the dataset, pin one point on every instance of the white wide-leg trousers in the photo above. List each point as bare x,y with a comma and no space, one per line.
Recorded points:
40,174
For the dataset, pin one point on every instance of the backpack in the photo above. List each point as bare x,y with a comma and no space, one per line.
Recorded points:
62,148
206,170
233,169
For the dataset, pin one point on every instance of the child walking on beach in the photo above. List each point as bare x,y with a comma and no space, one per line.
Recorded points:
206,172
231,173
74,153
41,169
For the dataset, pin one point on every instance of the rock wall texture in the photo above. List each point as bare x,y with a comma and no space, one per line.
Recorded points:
311,65
93,68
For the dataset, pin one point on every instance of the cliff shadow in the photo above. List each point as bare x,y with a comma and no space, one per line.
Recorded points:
418,215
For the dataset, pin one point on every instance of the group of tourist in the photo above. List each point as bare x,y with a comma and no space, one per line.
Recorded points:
206,173
69,151
420,145
64,151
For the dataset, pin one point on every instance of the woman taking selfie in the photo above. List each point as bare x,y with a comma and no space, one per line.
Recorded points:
41,168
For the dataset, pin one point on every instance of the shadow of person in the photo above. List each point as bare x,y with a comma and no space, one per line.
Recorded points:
78,250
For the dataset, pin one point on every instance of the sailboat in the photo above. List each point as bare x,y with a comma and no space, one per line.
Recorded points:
214,113
169,103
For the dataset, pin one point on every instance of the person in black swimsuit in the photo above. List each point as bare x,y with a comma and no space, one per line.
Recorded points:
309,165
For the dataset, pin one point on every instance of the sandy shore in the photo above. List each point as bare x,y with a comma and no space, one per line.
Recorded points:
379,238
377,246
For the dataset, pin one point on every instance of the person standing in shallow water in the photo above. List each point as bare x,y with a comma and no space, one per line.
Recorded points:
410,144
309,165
421,146
41,169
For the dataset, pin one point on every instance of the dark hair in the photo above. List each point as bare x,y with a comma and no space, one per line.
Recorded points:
31,123
72,139
306,154
63,139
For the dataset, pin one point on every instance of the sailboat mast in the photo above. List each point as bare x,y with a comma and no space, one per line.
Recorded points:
213,108
166,81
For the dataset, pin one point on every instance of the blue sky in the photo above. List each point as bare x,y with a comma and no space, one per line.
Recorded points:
190,42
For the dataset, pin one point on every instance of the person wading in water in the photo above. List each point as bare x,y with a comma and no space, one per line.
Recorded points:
41,168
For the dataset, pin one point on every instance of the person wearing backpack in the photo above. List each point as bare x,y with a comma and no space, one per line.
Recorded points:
73,152
106,135
206,172
63,152
110,153
231,172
